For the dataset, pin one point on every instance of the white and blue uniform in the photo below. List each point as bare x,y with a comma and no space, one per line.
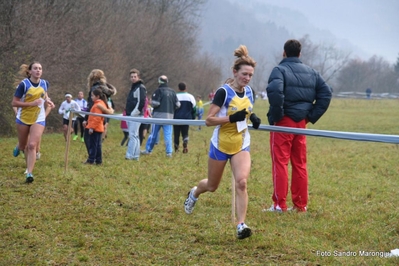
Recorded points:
226,137
66,107
82,104
30,92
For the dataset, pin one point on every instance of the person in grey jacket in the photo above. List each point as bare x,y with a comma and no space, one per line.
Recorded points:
297,95
164,101
134,108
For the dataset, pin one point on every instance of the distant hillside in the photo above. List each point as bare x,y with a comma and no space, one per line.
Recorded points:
295,22
225,26
263,28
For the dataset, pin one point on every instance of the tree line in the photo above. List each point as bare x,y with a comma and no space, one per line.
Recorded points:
347,74
70,38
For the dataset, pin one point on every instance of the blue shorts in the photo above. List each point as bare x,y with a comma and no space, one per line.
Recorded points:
19,122
221,156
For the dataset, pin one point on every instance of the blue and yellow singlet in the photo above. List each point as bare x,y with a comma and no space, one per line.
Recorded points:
225,137
29,92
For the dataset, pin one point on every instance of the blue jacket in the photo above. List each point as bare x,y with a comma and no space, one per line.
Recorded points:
187,108
297,91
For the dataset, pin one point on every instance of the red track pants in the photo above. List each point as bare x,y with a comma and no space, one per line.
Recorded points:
286,147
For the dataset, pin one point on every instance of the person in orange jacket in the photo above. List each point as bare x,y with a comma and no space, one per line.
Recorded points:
95,125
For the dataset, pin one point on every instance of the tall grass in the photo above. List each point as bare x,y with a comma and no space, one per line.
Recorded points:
131,213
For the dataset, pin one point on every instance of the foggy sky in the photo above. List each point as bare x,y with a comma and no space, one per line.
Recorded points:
372,25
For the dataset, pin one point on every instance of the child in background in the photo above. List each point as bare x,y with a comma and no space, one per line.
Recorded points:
144,128
95,125
125,130
200,109
80,118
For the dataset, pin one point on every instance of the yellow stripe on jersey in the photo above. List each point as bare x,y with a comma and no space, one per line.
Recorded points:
30,114
230,141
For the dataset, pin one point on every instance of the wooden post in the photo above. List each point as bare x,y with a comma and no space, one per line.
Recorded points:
68,141
233,199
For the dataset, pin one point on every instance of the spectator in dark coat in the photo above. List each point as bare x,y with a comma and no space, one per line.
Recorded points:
134,108
186,111
164,101
297,95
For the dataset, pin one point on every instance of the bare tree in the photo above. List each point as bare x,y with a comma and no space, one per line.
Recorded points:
351,77
259,82
376,73
70,38
202,74
325,58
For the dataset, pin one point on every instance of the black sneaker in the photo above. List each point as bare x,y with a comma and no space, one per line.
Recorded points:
29,178
243,231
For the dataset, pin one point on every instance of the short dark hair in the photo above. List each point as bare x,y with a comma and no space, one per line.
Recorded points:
182,86
292,48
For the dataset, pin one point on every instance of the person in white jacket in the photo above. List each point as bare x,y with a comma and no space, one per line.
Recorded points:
65,109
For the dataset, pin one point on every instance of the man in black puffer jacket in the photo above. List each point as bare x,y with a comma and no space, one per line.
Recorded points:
297,95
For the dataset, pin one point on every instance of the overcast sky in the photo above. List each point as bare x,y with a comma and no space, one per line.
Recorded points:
372,25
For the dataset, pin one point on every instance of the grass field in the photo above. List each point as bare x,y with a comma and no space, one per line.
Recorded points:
131,213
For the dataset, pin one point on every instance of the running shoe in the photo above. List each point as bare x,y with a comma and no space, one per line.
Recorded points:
29,178
185,149
297,209
16,151
243,231
189,203
273,209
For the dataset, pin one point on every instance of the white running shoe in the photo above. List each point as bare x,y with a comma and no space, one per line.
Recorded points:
145,152
189,203
304,209
243,231
273,209
38,155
